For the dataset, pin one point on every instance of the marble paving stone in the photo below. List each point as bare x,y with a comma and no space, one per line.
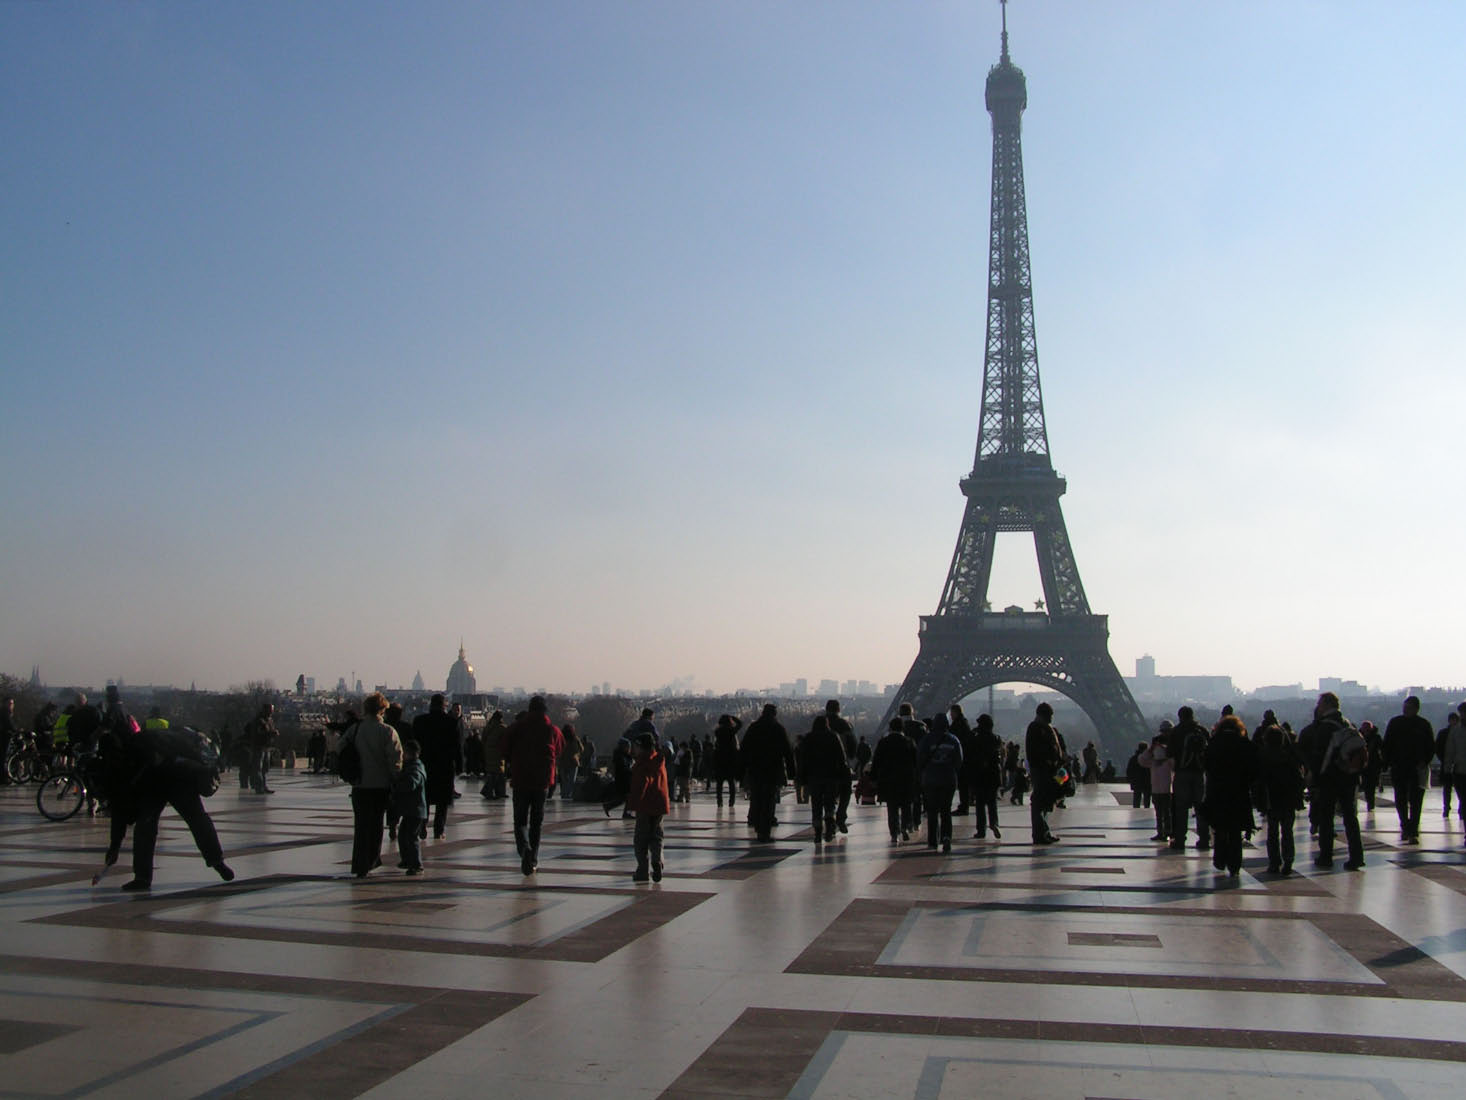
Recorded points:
1103,967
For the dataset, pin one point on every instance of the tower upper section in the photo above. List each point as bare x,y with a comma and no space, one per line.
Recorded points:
1012,437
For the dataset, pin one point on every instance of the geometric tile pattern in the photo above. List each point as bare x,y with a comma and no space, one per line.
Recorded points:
1105,966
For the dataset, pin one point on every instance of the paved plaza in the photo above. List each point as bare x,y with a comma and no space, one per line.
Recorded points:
1100,967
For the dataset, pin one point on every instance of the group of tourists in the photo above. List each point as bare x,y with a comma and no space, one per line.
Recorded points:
1226,778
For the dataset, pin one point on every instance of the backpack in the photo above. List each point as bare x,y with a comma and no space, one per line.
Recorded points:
190,751
1353,752
348,758
1193,752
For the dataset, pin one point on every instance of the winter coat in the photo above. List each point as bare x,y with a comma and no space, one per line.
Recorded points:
441,755
1231,769
380,752
1158,762
532,746
766,755
725,751
1281,769
648,793
409,791
824,759
894,768
939,759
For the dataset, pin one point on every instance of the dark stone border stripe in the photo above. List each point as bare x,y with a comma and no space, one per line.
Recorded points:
852,944
765,1051
432,1019
649,910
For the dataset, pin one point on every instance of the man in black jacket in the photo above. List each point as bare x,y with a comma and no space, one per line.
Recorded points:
441,753
846,733
1409,744
1041,746
767,759
1186,746
1328,786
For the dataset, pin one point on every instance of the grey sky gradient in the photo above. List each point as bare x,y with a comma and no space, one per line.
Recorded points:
635,341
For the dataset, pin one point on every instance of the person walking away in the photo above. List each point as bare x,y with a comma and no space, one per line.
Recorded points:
649,800
532,746
1091,763
939,760
725,756
984,771
1324,781
1231,768
410,801
893,766
1186,749
260,735
1409,744
441,752
961,729
1343,763
682,760
493,785
824,767
1162,773
767,759
1281,768
1041,744
1369,778
842,729
1447,779
378,751
569,762
1453,760
1138,776
7,731
622,761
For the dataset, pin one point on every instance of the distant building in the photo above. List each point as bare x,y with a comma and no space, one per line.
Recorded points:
829,688
417,682
1147,687
1145,668
461,680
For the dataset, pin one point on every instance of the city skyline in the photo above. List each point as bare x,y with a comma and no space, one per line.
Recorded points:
625,341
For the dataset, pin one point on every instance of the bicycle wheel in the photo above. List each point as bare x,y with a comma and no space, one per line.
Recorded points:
17,767
61,795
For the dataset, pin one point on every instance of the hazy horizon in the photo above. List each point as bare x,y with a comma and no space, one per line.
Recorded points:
633,342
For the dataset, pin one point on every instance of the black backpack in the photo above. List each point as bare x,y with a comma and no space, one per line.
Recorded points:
348,758
190,751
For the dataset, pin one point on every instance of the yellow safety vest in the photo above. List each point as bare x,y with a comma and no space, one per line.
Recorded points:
59,736
155,724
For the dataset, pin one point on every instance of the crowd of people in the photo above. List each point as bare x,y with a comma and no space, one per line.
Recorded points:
403,776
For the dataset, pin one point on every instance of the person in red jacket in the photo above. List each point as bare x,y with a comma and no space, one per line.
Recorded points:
649,799
531,746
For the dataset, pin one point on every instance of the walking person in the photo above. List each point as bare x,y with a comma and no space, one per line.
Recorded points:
767,759
1409,744
1281,768
1332,787
938,760
1453,761
893,766
843,730
378,751
1186,748
824,770
1156,758
532,746
570,762
622,761
437,734
1138,776
410,801
1448,779
725,756
648,799
1041,744
962,730
984,772
1231,768
260,736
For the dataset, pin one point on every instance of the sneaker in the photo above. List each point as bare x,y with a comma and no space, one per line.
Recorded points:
979,835
844,828
137,884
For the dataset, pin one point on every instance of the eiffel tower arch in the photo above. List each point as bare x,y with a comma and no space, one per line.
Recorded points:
965,647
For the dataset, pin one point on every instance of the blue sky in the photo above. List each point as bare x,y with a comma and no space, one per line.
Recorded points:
637,341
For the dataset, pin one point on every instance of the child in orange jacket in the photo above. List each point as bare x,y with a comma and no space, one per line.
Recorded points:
649,799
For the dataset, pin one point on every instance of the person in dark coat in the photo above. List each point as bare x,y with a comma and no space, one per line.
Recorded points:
985,771
532,747
962,730
143,774
938,762
893,766
1280,767
1409,744
767,759
824,768
1138,776
1231,768
725,756
436,733
1041,746
621,764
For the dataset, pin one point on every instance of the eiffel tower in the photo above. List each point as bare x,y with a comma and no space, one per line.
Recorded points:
1013,487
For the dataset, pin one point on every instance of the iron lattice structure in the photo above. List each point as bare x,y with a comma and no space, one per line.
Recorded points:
1013,487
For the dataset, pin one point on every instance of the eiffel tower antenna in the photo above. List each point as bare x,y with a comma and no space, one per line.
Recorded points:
1013,487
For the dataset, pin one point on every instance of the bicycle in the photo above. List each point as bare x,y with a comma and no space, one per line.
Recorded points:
66,790
25,762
